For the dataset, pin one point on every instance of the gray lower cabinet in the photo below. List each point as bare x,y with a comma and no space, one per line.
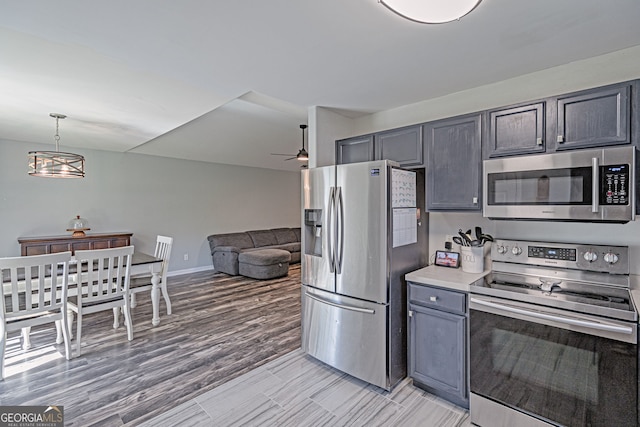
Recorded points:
592,118
403,145
354,150
454,151
437,346
515,130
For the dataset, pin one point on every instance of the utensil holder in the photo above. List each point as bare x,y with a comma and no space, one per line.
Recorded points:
472,259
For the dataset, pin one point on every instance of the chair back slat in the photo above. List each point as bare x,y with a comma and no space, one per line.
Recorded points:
33,284
105,274
163,250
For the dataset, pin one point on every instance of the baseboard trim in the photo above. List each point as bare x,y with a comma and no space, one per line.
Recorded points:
188,271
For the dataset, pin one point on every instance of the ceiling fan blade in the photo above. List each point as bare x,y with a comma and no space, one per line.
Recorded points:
279,154
290,158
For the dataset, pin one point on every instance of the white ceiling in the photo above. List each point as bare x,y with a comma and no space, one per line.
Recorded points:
231,81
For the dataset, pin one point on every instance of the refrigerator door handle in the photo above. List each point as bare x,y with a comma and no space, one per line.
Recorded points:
340,230
330,218
333,304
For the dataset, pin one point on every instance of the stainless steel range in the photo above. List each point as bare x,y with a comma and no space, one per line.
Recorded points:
554,337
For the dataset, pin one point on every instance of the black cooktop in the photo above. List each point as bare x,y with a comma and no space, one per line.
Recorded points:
613,298
587,298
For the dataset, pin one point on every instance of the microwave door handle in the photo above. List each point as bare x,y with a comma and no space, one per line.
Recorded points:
595,185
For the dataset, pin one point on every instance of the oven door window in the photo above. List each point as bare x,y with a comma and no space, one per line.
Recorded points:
541,187
561,376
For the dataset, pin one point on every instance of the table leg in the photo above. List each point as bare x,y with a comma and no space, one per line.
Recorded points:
165,295
155,299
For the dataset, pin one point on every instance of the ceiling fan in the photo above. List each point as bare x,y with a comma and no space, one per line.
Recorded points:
302,155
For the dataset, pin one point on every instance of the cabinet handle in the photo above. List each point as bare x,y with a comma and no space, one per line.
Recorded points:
560,139
410,313
475,200
539,141
433,299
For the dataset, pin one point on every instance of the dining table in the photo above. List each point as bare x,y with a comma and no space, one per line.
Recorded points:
141,264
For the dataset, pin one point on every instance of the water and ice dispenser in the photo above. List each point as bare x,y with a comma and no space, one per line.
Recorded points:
313,232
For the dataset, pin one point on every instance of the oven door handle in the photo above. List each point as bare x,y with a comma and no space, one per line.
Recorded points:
555,318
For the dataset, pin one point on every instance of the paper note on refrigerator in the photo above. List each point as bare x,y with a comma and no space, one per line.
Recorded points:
403,188
405,226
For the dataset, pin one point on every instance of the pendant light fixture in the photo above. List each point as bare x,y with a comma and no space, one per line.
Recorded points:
56,164
431,11
302,155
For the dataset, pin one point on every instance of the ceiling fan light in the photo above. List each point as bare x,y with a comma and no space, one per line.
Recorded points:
303,156
431,11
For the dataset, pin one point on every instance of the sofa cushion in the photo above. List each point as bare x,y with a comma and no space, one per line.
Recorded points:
264,257
291,247
262,238
296,231
239,240
284,235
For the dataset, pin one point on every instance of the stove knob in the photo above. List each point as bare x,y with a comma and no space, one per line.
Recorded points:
590,256
611,258
516,250
502,250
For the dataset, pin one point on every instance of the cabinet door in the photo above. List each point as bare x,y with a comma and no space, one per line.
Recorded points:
437,352
354,150
404,146
516,130
453,163
593,118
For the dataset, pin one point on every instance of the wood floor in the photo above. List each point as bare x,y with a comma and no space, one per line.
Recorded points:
221,328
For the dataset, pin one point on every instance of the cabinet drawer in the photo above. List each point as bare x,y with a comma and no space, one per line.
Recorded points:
440,299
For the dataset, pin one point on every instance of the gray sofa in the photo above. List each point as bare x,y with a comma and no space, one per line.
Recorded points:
225,248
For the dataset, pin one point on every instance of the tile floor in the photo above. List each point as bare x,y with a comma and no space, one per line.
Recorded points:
296,390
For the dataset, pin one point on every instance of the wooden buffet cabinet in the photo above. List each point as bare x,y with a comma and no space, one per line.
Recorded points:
52,244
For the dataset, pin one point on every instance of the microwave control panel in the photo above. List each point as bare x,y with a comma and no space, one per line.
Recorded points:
614,185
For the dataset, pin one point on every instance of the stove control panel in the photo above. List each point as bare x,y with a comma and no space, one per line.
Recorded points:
578,256
566,254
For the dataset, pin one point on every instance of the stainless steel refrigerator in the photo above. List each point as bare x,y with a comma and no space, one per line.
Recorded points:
364,228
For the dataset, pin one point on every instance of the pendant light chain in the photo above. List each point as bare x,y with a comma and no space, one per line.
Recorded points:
57,136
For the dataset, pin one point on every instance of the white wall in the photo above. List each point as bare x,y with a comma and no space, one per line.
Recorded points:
325,127
611,68
145,195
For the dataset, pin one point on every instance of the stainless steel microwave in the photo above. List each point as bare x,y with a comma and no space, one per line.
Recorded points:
583,185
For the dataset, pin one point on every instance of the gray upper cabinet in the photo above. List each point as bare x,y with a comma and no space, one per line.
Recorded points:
453,149
591,118
354,150
515,130
404,145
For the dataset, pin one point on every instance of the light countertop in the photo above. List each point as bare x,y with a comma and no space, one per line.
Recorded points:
445,277
458,280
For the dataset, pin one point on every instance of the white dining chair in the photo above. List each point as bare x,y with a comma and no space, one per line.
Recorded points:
34,293
103,284
143,283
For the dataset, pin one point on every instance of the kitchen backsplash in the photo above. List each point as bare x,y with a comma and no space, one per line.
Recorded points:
443,224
